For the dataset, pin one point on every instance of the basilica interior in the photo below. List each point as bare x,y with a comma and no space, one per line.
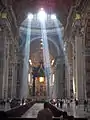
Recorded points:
44,49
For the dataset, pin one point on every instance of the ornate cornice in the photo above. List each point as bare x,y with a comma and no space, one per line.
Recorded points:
78,8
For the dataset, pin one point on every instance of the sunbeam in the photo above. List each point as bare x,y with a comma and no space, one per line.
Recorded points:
24,88
61,43
46,57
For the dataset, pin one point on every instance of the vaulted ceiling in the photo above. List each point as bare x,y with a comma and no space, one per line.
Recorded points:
23,7
60,7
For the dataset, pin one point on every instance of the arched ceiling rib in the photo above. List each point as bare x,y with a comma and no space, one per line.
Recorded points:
35,52
36,33
35,45
54,48
60,7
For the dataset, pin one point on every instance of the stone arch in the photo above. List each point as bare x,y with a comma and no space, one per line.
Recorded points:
39,37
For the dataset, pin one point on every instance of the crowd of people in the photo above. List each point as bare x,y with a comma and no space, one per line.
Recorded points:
11,102
46,113
61,102
14,102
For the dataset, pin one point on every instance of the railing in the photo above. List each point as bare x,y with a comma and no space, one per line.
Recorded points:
19,111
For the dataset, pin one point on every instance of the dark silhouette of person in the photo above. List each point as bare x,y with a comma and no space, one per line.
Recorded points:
85,105
58,103
76,102
45,114
61,103
65,116
22,101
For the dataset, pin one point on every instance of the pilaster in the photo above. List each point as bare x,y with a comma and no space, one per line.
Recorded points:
5,64
60,77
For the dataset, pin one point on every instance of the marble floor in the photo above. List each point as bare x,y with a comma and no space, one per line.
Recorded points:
76,111
72,110
33,111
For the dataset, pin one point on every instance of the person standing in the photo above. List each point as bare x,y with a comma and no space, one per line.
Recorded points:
58,102
45,114
76,103
68,103
86,105
22,101
61,103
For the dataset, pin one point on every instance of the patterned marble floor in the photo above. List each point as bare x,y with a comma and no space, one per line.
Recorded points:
72,110
33,111
77,111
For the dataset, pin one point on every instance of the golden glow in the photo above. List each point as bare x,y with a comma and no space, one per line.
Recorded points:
42,9
41,79
52,62
53,78
78,17
41,43
29,78
73,86
30,62
41,40
4,15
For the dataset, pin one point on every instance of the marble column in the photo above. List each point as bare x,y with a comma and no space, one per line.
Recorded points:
67,69
51,85
13,65
60,77
67,83
79,68
74,73
19,79
15,80
13,83
55,87
1,63
5,68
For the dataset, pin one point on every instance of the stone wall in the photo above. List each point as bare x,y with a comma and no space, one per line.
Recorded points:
8,50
